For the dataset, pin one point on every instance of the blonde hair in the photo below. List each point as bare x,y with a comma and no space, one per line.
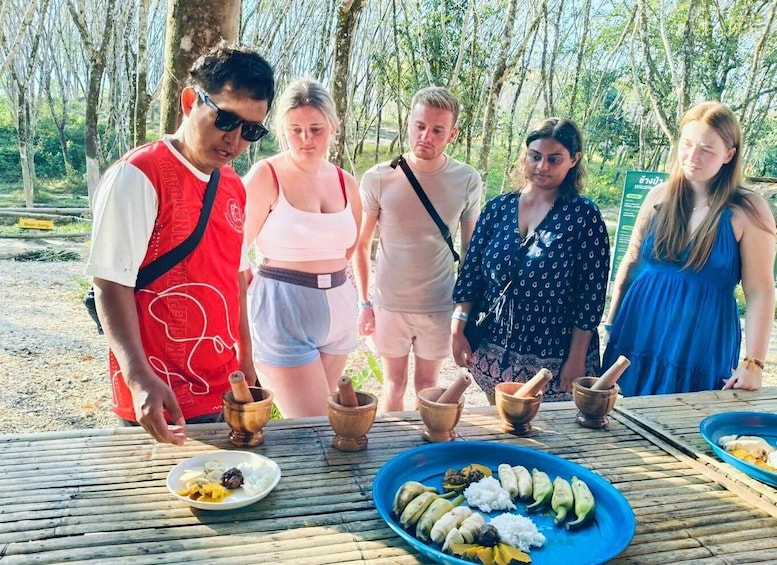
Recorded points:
299,93
672,219
439,98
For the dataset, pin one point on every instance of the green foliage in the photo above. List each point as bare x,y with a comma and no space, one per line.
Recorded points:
362,367
49,162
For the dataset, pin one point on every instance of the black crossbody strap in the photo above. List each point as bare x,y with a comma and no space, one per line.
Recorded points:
444,231
161,265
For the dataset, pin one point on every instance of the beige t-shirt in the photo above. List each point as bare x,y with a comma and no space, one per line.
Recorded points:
415,271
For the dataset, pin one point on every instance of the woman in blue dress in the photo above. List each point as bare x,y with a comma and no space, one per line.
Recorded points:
695,238
553,245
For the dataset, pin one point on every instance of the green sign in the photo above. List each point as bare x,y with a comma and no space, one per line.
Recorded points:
635,188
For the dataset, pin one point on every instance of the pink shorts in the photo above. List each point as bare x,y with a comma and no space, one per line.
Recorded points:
428,335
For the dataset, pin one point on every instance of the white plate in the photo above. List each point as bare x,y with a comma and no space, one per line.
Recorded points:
239,497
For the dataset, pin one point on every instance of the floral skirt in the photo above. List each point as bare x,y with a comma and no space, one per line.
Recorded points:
493,364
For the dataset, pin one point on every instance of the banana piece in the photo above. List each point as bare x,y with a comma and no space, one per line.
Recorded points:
470,526
523,477
407,492
448,522
454,536
415,508
508,479
434,512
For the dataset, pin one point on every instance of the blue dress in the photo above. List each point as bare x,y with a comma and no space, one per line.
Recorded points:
560,284
679,327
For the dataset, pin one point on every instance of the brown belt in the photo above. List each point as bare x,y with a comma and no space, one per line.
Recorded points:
310,280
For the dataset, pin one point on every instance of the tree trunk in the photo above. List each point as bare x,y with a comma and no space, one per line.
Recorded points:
193,27
142,100
26,146
347,16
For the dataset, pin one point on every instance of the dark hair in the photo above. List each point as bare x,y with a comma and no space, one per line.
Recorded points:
242,68
567,134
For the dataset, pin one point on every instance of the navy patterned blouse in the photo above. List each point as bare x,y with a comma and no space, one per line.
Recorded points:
560,283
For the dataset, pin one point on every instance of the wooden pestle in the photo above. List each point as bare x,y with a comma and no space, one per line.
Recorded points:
534,385
240,391
452,394
346,395
607,380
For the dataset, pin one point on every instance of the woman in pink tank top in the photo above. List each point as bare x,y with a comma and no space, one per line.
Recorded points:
303,215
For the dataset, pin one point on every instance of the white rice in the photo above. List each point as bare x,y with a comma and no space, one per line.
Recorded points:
488,495
518,531
257,478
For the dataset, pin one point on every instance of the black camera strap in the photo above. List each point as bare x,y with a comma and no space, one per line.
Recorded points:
444,231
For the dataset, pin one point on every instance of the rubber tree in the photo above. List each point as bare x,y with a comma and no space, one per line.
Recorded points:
347,17
193,27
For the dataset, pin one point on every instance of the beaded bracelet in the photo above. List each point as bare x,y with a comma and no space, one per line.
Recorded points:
457,315
751,363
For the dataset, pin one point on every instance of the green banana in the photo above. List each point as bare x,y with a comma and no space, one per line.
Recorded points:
415,508
434,512
407,492
585,506
542,490
562,500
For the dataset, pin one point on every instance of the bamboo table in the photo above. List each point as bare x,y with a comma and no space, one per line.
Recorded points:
99,495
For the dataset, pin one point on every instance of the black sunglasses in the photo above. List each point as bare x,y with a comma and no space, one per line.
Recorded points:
229,121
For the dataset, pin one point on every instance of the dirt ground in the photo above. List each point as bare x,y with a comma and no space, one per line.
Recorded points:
53,362
53,367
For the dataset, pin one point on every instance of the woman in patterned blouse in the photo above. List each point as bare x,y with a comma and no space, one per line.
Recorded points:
553,244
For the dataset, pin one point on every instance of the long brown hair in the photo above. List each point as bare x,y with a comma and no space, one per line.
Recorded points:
672,219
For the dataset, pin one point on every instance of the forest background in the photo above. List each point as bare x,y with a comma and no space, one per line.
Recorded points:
83,81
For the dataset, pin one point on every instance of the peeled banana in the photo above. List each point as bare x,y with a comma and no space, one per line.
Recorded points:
407,492
470,527
523,477
508,479
449,521
439,507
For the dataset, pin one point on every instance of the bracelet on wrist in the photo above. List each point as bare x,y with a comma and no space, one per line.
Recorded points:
365,304
752,363
463,316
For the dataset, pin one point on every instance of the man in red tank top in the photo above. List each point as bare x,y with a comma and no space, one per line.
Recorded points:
174,342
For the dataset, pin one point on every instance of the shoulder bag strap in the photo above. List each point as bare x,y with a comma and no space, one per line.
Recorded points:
161,265
444,231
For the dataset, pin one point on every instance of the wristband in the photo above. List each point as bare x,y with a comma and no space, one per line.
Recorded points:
463,316
752,363
365,304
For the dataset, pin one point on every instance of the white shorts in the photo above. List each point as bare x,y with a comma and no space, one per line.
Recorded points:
293,322
428,335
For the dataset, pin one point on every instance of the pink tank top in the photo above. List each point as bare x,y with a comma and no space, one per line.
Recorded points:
290,234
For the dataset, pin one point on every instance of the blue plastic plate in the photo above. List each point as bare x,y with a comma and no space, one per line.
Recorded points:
597,542
741,424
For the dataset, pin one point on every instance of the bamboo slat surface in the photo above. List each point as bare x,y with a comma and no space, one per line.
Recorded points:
99,496
676,419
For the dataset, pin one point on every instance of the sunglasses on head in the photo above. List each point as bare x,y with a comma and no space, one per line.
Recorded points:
229,121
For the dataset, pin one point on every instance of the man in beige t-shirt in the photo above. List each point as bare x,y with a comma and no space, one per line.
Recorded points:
415,272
